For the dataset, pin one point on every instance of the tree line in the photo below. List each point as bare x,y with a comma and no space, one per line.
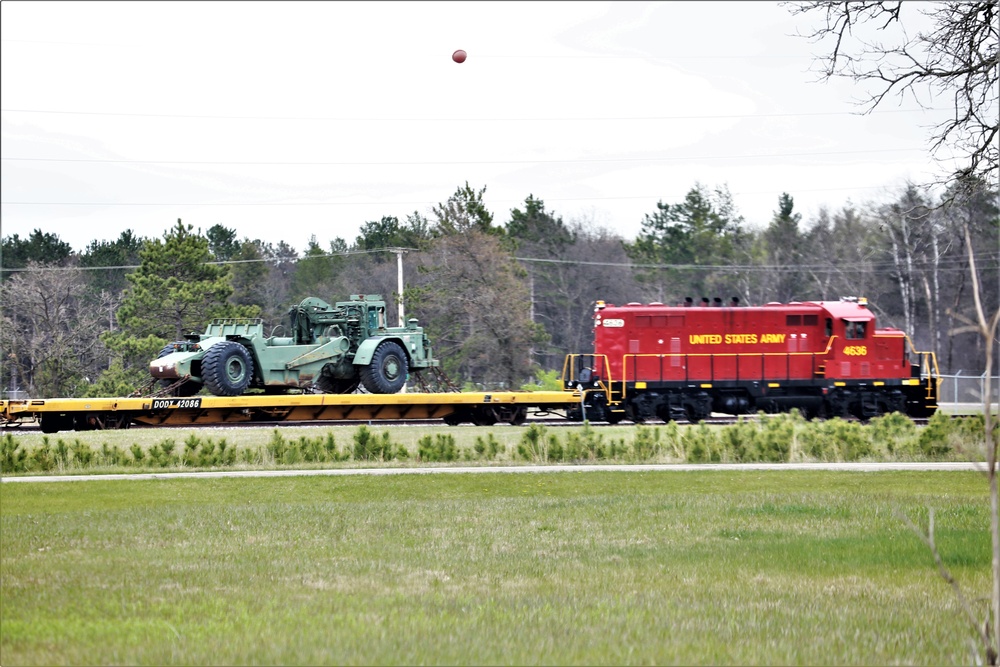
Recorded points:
501,300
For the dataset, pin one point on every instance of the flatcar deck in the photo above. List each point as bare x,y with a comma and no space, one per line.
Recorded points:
63,414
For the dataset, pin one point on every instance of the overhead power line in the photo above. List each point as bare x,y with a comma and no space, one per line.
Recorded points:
415,202
803,114
412,202
458,162
958,263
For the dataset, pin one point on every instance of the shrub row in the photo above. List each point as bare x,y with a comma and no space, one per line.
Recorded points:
197,452
770,438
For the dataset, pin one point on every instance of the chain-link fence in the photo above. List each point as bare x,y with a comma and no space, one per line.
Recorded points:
13,395
967,388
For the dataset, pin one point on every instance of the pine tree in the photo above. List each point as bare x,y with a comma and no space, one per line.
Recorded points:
174,291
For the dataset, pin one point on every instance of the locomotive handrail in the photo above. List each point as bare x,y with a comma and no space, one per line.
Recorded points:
815,355
712,356
929,358
829,346
602,377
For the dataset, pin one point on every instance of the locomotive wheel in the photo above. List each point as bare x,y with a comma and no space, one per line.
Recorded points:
189,388
386,374
227,369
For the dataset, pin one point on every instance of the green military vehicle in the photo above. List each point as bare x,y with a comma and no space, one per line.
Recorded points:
331,349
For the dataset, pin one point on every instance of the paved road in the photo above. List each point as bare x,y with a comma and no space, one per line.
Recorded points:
679,467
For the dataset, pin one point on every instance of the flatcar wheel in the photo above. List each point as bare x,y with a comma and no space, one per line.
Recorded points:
53,422
455,418
519,416
484,417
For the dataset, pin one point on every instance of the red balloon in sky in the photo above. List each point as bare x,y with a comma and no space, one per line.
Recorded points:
459,56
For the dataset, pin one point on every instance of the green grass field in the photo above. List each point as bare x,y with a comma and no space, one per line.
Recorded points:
623,567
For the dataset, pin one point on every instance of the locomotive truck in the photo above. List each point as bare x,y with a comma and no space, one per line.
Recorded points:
330,348
824,358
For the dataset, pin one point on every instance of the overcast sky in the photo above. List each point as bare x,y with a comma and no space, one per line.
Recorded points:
287,120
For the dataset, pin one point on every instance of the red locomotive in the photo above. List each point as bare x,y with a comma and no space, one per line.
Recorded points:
825,358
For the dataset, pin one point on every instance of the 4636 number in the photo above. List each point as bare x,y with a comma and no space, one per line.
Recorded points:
856,350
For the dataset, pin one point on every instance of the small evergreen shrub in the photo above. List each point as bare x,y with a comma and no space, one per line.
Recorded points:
82,454
12,459
110,456
555,449
532,445
896,433
739,441
369,447
776,436
487,448
437,449
646,445
62,452
700,445
277,446
42,459
818,442
935,439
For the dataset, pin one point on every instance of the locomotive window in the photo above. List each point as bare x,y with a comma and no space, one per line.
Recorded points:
829,327
810,320
793,320
855,330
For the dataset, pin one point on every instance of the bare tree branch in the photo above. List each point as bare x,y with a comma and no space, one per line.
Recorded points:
956,59
981,629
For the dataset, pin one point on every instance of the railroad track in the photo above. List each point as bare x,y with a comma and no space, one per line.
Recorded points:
556,422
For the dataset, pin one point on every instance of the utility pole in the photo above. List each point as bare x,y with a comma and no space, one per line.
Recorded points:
399,282
399,291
